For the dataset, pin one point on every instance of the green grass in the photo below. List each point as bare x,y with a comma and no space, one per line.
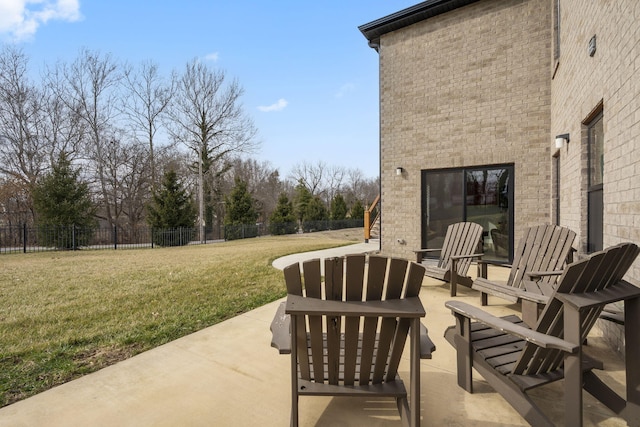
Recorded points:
66,314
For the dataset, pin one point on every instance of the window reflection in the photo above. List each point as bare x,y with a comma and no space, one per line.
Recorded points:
481,195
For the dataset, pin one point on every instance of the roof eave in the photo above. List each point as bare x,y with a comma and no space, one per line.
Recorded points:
409,16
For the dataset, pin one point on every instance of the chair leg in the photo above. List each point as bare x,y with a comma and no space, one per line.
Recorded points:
414,347
573,369
404,411
598,389
463,353
294,375
484,298
453,278
519,400
632,354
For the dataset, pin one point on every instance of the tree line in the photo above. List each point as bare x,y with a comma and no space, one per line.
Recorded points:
118,131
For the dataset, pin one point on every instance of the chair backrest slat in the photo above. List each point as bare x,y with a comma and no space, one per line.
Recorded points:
355,265
375,283
592,274
462,238
397,270
352,350
294,286
313,289
333,278
414,278
542,248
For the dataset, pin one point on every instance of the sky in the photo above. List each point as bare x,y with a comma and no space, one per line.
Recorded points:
310,79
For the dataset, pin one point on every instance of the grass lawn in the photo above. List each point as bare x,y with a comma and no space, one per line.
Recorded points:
66,314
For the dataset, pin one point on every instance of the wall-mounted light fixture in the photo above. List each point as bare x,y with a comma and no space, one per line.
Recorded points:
561,140
399,170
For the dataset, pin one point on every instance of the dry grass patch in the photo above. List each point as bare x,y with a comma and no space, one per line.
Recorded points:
65,314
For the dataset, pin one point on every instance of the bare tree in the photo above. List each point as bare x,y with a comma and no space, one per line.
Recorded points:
311,175
22,154
19,113
129,172
61,127
16,205
91,84
207,116
147,99
334,181
322,180
263,182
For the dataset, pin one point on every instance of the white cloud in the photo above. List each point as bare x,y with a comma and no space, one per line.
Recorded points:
212,56
20,19
344,89
278,106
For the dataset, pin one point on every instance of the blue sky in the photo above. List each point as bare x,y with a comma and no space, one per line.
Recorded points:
310,79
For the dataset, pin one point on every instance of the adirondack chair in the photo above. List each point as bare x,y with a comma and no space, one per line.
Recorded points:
514,358
346,335
538,261
458,250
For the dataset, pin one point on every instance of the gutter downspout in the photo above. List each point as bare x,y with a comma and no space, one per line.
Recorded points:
375,44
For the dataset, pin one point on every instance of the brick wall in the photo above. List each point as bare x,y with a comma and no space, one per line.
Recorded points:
467,88
610,78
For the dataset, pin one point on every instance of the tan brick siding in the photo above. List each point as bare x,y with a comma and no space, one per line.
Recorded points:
581,82
467,88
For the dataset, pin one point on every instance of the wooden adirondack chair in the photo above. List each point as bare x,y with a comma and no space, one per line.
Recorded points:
538,261
515,359
458,250
349,332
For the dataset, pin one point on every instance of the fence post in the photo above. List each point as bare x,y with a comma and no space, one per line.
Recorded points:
115,237
151,237
73,237
24,238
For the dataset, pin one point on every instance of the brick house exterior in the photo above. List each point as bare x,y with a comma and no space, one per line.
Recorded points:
487,85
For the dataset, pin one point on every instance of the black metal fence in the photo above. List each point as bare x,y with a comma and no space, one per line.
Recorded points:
17,239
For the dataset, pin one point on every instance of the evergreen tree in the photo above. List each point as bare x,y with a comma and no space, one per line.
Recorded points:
315,216
172,212
241,215
301,200
63,205
283,218
338,212
357,210
338,208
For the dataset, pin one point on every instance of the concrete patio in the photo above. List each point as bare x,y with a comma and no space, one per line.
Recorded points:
228,375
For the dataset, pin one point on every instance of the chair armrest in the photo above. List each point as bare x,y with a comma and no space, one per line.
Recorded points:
494,262
403,308
483,263
426,345
281,330
537,275
613,316
530,296
497,289
426,250
456,257
622,290
541,340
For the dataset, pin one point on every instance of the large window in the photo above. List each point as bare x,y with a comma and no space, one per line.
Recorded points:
480,194
595,205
